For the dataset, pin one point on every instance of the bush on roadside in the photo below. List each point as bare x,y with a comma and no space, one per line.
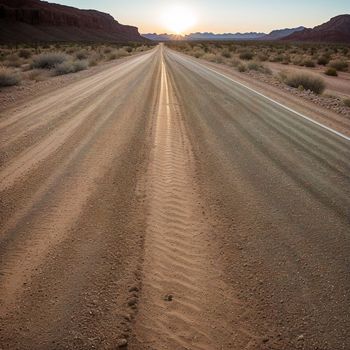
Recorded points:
331,72
209,57
339,65
242,67
263,57
309,63
323,60
226,53
246,55
8,77
122,53
67,67
49,60
258,67
254,66
13,61
347,102
25,53
307,81
234,62
82,55
35,75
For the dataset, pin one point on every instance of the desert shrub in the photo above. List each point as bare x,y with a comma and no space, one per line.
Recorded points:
339,65
226,53
277,58
67,67
234,62
246,55
197,52
25,53
263,57
81,65
8,77
219,58
95,59
107,50
141,48
307,81
82,55
254,66
35,75
331,72
347,102
209,57
49,60
297,60
242,67
323,60
309,63
128,49
13,61
121,53
112,56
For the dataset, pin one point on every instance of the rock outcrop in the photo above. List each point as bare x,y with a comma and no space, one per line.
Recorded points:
337,30
36,20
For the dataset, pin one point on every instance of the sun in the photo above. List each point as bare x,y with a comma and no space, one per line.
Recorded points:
178,19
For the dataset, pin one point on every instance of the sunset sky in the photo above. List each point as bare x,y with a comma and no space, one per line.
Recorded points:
216,16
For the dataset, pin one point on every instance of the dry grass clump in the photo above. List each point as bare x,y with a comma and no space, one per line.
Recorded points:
305,81
13,60
331,72
242,67
68,67
246,55
82,55
309,64
209,57
35,75
347,102
49,60
25,53
8,77
226,53
61,58
258,67
339,65
323,60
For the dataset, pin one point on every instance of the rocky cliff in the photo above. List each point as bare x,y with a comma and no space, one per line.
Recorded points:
337,30
35,20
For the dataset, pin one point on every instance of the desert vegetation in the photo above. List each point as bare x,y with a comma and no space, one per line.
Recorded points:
304,81
237,54
299,68
20,63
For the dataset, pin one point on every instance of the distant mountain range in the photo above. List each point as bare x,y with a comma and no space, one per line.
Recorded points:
282,33
274,35
35,20
336,30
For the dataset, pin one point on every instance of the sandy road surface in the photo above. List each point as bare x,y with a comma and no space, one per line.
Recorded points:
161,204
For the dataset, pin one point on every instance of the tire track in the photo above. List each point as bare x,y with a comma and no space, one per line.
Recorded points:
179,306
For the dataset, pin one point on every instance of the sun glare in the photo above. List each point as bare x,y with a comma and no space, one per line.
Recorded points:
178,19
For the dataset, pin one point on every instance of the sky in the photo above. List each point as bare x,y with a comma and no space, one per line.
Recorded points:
219,16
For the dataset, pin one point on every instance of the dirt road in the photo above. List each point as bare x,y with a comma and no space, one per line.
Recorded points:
160,205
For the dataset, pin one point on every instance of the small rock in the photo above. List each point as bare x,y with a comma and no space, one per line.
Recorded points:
300,337
133,289
169,297
121,343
